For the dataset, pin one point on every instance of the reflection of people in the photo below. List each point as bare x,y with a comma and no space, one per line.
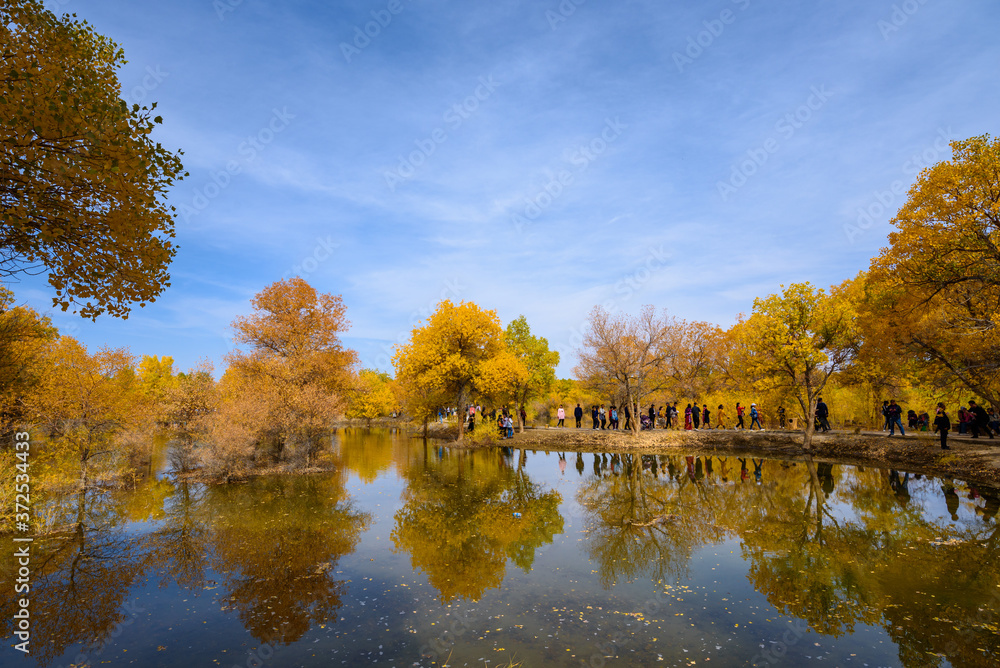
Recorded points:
757,473
579,463
562,463
743,469
951,499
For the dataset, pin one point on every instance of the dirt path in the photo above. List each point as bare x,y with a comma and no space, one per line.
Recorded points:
969,459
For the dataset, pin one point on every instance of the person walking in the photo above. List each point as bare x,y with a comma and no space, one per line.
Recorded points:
755,417
942,425
688,421
739,416
980,419
578,414
561,416
604,417
652,417
696,416
822,412
885,415
706,416
894,412
675,416
612,417
595,415
628,418
720,417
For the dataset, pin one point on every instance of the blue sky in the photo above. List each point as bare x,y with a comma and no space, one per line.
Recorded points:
536,157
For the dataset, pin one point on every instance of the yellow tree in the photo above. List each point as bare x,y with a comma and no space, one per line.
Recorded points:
82,184
500,377
445,355
935,291
371,396
23,338
85,399
186,405
538,361
794,341
296,360
156,377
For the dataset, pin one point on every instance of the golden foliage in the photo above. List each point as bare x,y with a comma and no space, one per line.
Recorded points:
82,184
445,357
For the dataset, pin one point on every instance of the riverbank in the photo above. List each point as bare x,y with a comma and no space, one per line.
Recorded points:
974,460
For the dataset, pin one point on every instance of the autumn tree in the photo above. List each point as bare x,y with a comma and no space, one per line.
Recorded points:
186,405
84,399
24,336
538,361
626,355
156,377
446,355
82,184
934,292
296,366
371,395
795,341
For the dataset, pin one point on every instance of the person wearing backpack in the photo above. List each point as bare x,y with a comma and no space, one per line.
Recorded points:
755,417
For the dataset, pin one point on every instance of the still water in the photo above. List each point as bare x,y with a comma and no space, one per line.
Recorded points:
412,554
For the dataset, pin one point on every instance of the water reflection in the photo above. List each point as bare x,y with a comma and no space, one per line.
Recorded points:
844,549
466,513
834,546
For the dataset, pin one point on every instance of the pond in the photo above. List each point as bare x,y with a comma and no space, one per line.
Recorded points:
414,554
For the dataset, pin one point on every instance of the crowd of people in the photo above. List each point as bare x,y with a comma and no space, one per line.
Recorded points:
970,419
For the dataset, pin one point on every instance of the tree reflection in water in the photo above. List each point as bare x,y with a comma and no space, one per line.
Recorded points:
831,548
458,524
